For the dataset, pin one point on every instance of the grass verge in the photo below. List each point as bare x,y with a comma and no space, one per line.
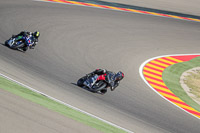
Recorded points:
171,77
58,107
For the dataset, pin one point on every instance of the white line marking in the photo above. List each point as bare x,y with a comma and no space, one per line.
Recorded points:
65,103
142,76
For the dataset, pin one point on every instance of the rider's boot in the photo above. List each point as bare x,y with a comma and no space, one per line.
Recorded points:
32,47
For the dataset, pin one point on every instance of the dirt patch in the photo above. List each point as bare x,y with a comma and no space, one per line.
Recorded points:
190,82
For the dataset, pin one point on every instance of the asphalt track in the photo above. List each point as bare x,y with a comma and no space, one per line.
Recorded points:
76,40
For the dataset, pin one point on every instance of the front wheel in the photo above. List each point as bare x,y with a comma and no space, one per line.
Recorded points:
6,43
81,81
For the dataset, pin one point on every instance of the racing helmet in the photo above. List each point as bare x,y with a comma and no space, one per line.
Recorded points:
36,34
119,76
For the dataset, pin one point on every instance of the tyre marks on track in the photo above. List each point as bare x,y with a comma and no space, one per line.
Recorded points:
151,72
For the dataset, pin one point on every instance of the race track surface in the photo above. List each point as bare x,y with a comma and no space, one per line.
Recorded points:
75,40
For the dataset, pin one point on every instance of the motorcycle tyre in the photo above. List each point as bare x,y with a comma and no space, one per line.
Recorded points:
81,81
6,43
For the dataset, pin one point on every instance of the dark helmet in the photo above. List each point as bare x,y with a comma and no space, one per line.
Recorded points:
36,34
119,76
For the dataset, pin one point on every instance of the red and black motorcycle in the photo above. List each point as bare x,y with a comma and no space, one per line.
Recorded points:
92,83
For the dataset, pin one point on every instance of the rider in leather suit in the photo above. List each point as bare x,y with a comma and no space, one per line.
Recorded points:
26,34
113,80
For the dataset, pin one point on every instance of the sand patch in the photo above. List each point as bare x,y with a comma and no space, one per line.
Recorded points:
190,82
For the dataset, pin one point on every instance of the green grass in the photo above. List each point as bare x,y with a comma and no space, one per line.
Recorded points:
171,77
55,106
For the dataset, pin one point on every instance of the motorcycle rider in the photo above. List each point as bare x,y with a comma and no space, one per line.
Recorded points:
34,37
114,79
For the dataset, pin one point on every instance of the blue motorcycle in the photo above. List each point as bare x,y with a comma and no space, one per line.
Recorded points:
19,42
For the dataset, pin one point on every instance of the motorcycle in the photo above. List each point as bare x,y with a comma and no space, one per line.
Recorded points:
19,42
93,85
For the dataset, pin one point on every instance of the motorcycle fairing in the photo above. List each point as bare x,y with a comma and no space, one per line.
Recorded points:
19,37
12,41
91,81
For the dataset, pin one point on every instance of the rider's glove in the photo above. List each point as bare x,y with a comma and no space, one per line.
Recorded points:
104,70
